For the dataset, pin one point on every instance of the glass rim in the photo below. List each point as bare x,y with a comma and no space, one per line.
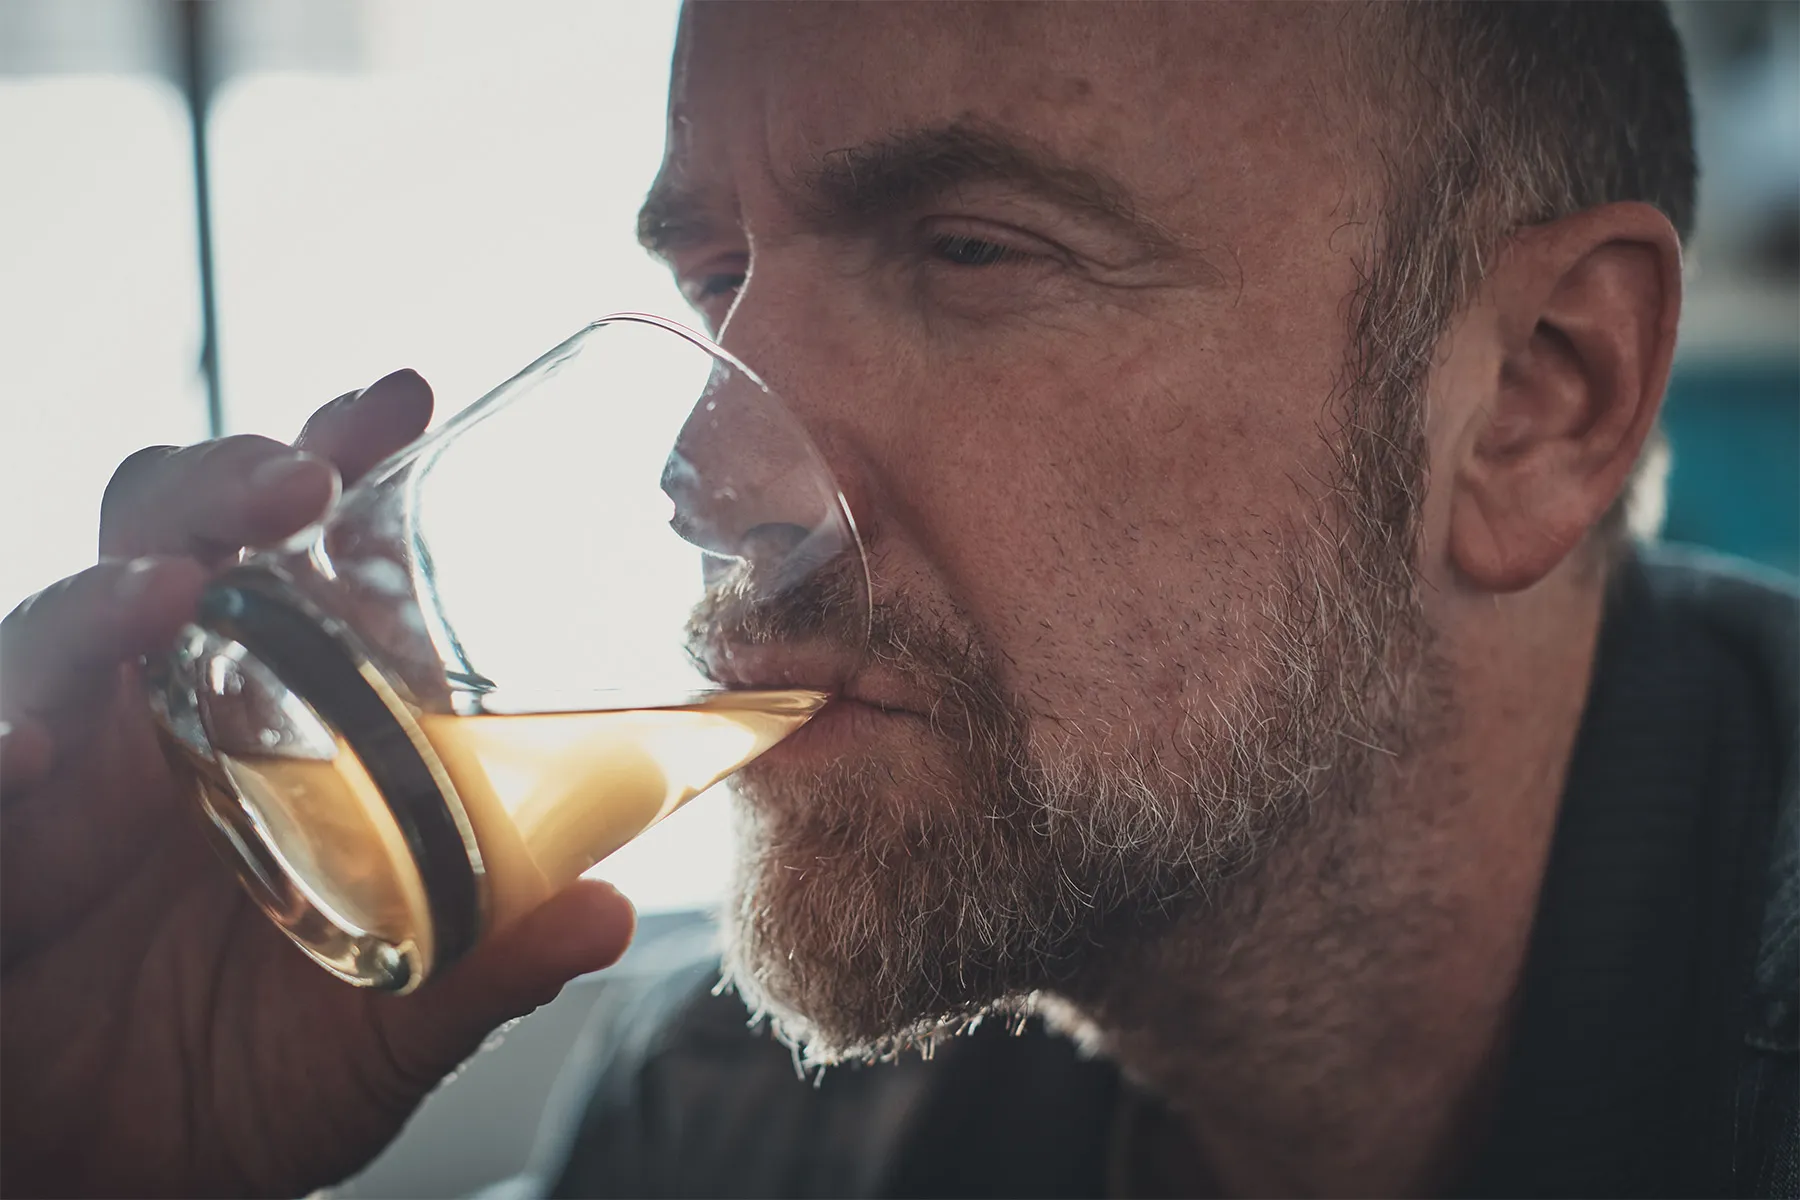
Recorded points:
498,398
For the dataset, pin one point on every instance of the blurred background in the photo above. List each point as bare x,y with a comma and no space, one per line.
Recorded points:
216,216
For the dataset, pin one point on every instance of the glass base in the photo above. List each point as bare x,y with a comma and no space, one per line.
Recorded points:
314,787
353,955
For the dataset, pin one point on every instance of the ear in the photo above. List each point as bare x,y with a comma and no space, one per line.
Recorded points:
1585,310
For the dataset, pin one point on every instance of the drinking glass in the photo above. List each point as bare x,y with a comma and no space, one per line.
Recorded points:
514,646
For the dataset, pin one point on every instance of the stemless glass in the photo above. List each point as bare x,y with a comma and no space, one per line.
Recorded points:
506,651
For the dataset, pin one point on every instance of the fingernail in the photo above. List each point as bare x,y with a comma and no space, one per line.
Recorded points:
5,729
404,373
279,470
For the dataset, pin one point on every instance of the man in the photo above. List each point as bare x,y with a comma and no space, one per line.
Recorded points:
1241,405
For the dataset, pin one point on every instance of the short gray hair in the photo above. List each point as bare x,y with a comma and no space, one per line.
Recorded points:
1498,116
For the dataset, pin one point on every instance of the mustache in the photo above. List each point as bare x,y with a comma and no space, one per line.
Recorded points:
944,656
743,607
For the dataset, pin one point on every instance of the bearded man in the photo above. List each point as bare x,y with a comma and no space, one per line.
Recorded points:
1269,720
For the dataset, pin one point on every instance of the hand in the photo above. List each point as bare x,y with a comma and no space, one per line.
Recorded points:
160,1035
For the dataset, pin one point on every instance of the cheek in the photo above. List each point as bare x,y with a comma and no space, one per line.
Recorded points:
1112,520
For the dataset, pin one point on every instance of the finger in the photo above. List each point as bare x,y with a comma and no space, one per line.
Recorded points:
65,644
24,755
359,429
583,928
208,500
103,808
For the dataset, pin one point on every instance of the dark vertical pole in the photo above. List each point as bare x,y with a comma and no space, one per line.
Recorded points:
198,73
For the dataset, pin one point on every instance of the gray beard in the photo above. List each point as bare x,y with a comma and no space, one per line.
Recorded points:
860,927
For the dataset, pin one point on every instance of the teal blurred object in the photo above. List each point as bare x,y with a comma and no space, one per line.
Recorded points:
1734,429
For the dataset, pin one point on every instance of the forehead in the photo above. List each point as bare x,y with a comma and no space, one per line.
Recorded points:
1168,97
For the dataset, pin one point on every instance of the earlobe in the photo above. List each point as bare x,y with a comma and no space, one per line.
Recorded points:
1505,539
1584,311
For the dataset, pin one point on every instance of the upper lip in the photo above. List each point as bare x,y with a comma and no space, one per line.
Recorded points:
818,668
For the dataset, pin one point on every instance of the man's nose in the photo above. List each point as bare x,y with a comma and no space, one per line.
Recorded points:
748,484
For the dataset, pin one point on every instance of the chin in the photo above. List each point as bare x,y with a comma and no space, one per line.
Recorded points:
848,922
884,901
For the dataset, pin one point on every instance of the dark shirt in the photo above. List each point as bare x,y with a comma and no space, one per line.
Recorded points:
1654,1049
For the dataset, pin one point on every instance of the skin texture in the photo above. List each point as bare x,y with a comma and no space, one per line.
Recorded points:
1137,745
1097,472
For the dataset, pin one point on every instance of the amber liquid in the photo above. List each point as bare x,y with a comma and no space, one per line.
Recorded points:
547,795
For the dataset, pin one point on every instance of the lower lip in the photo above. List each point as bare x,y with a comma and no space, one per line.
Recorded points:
843,727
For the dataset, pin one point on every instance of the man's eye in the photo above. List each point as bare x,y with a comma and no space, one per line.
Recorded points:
966,251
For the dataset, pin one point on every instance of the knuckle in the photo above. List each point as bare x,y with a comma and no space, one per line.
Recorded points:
47,600
23,611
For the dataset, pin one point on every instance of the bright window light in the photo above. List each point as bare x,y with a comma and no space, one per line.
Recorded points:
459,206
99,310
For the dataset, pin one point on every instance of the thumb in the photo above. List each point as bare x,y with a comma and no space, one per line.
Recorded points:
583,928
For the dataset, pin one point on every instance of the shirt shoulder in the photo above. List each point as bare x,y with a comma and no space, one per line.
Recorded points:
1754,618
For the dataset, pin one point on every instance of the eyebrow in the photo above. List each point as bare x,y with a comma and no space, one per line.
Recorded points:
890,176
